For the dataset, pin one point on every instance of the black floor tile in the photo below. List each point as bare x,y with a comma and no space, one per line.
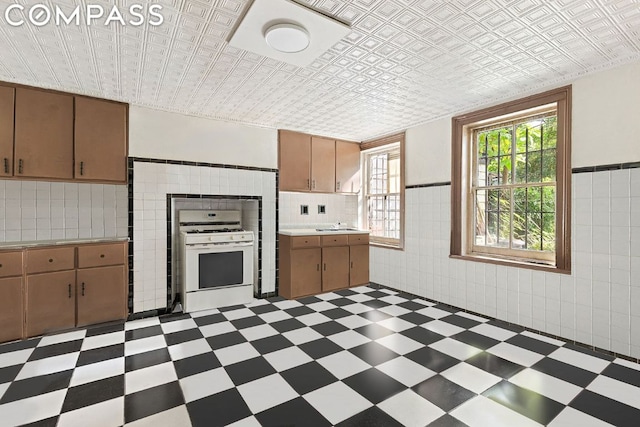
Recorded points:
105,329
287,325
447,421
247,322
377,294
151,401
482,342
183,336
19,345
341,302
249,370
34,386
9,373
299,311
308,377
375,315
100,354
532,344
608,410
590,352
415,318
569,373
443,393
336,313
445,307
422,335
210,319
137,334
505,325
294,413
265,308
495,365
218,410
271,344
320,348
463,322
345,292
231,308
144,360
309,300
373,331
374,303
622,373
412,305
374,385
226,340
373,353
49,422
273,300
329,328
526,402
196,364
372,417
55,350
432,359
93,392
175,317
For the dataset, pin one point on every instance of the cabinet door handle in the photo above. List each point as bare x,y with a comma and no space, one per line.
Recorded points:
69,290
50,259
313,184
20,163
308,184
6,165
318,267
338,185
81,168
101,255
351,264
325,266
82,288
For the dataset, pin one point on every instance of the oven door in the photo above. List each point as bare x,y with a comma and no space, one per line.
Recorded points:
210,266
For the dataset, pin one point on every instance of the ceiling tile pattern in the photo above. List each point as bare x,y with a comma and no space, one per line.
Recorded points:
404,63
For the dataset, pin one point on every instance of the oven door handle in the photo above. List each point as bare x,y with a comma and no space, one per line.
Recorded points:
213,245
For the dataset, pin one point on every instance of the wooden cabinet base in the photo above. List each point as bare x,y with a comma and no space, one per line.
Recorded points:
101,294
50,302
12,314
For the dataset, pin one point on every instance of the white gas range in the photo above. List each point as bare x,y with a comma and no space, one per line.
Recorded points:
216,259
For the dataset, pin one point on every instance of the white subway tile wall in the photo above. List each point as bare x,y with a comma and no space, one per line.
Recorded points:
151,184
598,304
339,208
42,210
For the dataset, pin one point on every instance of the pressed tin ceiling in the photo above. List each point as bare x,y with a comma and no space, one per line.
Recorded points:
405,62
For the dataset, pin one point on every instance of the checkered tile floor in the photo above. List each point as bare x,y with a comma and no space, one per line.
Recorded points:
360,357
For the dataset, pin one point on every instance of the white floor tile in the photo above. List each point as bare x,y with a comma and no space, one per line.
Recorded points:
405,371
189,348
393,299
285,305
15,357
3,388
302,335
554,388
97,371
102,340
472,316
141,323
348,339
356,308
457,349
580,360
442,328
470,377
483,412
343,364
178,416
515,354
360,297
394,310
313,319
205,384
424,302
240,313
321,306
104,414
275,316
570,417
434,313
354,321
410,409
204,313
337,402
49,365
616,390
328,296
152,376
256,332
246,422
399,343
236,353
627,363
494,332
543,338
266,393
32,409
217,329
64,337
396,325
178,325
144,345
287,358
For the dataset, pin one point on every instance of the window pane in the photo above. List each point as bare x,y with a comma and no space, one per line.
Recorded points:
376,215
505,170
481,217
505,141
504,218
394,175
549,199
548,165
534,199
550,132
493,168
533,131
534,166
548,232
521,138
493,200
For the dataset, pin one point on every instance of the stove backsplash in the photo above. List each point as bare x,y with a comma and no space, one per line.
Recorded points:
338,207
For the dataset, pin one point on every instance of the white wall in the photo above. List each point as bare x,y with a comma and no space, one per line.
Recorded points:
428,153
341,208
161,135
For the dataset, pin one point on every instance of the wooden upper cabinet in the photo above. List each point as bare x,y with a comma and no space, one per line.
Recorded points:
294,157
323,165
347,167
100,140
7,96
43,134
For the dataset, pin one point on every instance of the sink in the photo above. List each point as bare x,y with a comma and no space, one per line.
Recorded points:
336,229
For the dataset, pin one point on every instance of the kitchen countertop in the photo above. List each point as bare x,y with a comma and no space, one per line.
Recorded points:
36,243
314,232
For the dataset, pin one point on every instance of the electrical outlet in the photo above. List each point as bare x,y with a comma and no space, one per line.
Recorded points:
322,209
304,209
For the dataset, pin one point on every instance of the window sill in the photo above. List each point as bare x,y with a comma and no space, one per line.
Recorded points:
386,246
511,263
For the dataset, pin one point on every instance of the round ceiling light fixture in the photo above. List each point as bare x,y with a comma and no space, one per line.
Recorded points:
287,38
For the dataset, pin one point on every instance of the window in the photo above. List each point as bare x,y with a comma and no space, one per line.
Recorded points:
511,182
383,203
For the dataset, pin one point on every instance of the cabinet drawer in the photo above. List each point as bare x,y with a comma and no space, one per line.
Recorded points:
101,255
335,240
305,242
50,259
10,264
358,239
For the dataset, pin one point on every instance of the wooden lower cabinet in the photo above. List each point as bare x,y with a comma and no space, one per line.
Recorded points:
100,294
359,265
306,277
50,302
335,268
12,314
